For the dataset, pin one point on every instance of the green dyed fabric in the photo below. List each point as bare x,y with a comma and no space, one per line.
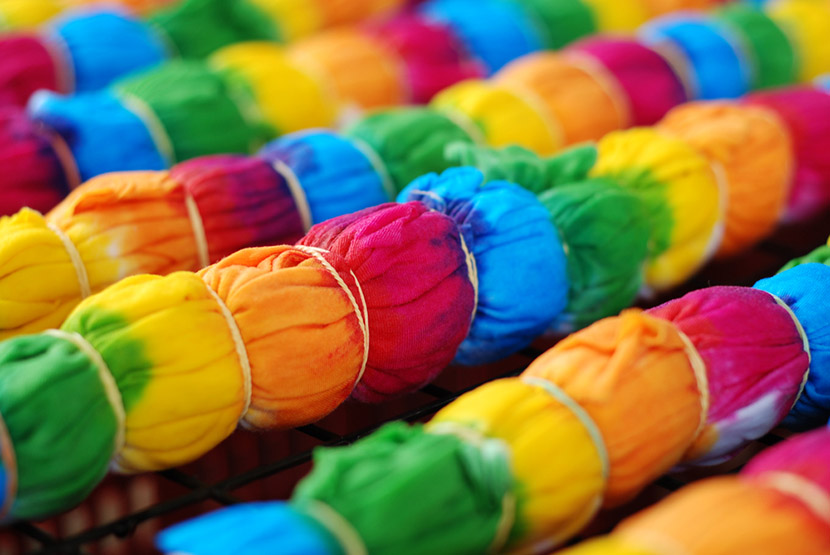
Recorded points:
606,235
410,141
524,167
109,334
773,56
199,27
202,111
821,255
409,492
561,21
61,424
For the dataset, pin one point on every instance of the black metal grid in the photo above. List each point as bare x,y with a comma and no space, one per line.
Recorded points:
793,241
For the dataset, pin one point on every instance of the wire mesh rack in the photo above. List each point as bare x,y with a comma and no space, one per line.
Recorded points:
125,512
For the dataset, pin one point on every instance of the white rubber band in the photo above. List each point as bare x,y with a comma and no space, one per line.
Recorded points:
198,226
508,502
607,82
804,340
362,315
701,378
62,59
340,528
472,272
239,346
107,380
155,127
378,164
75,258
297,192
10,463
801,488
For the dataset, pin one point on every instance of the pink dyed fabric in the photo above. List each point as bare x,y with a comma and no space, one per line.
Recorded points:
31,174
411,267
806,113
650,83
754,356
806,455
26,65
243,200
434,57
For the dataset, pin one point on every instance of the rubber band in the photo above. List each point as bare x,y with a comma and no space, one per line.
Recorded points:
378,164
680,64
198,226
155,127
362,316
75,258
10,463
532,99
804,340
340,528
701,378
466,124
239,346
607,82
801,488
719,229
107,380
296,190
472,272
62,60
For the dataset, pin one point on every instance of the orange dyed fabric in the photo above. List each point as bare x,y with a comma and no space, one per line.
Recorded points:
359,69
307,350
632,374
579,93
754,150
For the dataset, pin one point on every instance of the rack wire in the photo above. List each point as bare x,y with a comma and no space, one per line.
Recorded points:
187,493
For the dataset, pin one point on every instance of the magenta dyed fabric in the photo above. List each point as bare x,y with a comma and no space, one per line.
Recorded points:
244,202
26,65
805,455
755,359
652,86
411,267
31,173
434,57
806,113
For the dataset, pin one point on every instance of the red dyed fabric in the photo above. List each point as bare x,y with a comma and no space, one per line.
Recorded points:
26,65
243,200
434,57
412,270
754,356
650,83
805,456
806,112
31,173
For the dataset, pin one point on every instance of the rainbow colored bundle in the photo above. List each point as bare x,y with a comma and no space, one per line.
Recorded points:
785,489
522,464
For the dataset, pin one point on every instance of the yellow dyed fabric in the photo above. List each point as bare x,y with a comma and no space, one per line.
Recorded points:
39,283
505,117
554,461
632,374
22,14
614,15
579,94
807,24
300,328
289,97
171,352
719,516
359,69
753,148
684,192
293,18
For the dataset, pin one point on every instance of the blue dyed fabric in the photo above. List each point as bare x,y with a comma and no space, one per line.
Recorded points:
804,288
522,283
336,176
103,135
261,528
718,66
106,45
495,31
